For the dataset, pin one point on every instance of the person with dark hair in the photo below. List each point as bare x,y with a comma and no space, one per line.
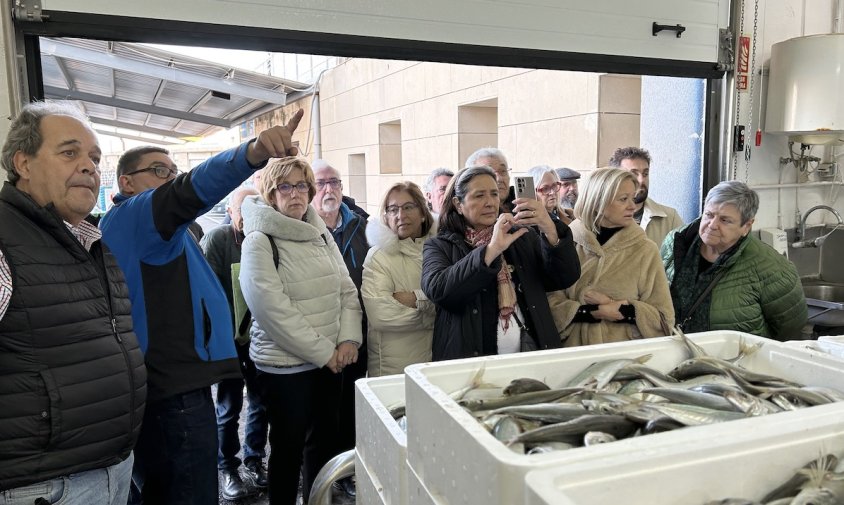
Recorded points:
622,293
724,278
221,247
73,382
488,274
494,158
180,311
306,328
401,318
656,219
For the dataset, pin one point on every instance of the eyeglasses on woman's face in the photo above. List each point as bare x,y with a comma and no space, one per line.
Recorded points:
549,189
286,188
393,210
160,171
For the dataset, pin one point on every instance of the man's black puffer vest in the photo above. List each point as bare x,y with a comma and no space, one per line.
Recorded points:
72,377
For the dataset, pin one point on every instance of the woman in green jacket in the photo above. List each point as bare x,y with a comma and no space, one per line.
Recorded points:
723,278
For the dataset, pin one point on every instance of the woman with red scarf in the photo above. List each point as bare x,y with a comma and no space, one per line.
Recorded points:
488,273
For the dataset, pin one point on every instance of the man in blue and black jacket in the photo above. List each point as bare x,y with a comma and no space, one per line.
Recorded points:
180,311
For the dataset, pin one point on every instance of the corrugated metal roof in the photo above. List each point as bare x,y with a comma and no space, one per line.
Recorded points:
147,89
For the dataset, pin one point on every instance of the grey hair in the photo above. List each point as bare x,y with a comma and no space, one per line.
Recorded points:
539,171
438,172
629,153
736,193
484,152
25,131
319,164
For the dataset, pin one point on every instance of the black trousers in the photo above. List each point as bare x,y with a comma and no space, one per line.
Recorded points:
303,413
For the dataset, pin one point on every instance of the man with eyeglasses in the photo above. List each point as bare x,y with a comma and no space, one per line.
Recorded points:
349,232
495,159
435,186
568,186
180,311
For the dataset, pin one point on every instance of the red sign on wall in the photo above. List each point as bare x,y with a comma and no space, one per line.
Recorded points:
743,63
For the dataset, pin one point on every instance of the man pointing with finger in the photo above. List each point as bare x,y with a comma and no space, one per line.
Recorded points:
179,309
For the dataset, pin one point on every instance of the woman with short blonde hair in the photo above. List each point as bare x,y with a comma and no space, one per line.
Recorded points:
306,323
622,293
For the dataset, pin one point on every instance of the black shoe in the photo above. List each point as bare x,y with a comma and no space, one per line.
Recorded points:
233,487
256,472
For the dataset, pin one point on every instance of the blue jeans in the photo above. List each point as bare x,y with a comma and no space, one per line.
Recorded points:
103,486
174,456
229,405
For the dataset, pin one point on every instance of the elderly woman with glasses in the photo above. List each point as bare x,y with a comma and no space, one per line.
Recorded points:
547,184
307,323
622,293
401,319
724,278
488,274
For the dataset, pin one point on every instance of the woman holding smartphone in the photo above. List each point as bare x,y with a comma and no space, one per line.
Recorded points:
488,274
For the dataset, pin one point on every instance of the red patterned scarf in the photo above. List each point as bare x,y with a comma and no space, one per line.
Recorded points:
506,290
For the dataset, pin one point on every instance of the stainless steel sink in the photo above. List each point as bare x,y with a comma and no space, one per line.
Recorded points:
825,301
830,296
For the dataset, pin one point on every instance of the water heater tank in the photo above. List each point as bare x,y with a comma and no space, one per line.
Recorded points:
806,89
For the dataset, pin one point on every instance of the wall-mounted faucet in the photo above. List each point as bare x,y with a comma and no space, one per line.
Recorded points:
801,232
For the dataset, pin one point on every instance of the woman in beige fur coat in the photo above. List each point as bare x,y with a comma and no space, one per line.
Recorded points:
622,293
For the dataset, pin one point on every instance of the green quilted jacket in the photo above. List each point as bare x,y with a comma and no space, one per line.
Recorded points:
760,293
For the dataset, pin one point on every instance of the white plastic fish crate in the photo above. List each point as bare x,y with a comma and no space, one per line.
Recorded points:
417,492
739,463
369,492
832,345
457,459
379,441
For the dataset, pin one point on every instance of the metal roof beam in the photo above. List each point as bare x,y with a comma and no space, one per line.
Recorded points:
138,128
65,74
58,93
64,50
139,138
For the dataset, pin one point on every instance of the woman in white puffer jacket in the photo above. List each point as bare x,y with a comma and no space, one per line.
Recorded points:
307,323
401,319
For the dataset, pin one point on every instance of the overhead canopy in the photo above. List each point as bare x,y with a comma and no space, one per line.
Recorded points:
146,89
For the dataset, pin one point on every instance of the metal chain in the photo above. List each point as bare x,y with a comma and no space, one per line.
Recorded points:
750,131
734,171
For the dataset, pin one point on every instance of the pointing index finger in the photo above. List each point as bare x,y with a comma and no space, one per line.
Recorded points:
293,123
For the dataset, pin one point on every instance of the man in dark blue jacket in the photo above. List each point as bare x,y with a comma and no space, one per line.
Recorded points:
180,311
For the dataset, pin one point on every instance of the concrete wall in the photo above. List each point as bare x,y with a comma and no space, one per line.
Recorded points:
444,112
780,20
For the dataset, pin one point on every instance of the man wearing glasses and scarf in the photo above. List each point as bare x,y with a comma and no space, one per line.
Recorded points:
179,309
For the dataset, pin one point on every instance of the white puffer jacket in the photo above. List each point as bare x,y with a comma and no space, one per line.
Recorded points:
307,306
398,335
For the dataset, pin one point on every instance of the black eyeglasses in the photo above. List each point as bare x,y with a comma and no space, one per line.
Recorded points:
331,183
393,210
286,188
161,171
